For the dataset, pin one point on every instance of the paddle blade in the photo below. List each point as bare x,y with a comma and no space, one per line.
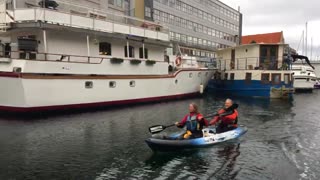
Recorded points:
156,129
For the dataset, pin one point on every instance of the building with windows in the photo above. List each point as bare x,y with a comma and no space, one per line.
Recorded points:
78,6
199,27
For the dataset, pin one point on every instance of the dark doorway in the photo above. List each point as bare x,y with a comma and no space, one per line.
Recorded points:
269,57
233,59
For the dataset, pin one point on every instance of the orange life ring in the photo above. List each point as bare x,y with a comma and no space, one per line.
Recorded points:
178,61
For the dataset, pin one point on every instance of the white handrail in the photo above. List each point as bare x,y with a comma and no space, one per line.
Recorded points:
124,26
100,12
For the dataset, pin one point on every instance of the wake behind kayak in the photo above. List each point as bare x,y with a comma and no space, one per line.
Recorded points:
210,138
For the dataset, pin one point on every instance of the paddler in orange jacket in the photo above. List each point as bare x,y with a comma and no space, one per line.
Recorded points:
227,118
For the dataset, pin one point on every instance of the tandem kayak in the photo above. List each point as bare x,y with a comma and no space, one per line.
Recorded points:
209,138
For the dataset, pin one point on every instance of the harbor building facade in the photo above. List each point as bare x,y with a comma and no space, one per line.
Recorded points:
199,27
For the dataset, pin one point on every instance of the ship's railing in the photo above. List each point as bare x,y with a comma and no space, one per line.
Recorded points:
3,15
206,62
196,62
38,56
69,14
252,63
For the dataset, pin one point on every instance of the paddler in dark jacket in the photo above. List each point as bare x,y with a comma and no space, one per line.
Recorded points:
227,118
194,122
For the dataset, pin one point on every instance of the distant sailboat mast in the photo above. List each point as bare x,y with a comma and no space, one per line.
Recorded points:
311,48
306,47
301,42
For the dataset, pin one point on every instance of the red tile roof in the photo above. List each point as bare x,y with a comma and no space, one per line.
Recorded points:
270,38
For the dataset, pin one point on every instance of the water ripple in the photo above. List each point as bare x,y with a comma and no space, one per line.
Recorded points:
282,143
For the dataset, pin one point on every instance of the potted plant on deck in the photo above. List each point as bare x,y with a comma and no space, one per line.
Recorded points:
150,62
135,61
116,60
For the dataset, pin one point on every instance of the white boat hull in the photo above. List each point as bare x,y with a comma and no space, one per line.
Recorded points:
304,78
23,92
303,84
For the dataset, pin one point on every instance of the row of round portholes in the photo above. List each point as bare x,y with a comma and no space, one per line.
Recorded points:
301,73
112,84
199,74
191,75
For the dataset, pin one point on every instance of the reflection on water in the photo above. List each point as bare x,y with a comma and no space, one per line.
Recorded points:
282,143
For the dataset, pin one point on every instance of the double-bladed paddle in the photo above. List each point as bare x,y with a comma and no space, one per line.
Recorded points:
159,128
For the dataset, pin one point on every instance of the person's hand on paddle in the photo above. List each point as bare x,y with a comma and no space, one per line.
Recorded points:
179,125
215,120
200,117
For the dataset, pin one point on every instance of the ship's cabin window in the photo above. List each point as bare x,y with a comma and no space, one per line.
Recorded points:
265,78
97,16
28,45
132,83
88,84
147,12
7,50
17,69
276,78
131,51
248,77
112,84
118,3
190,75
105,48
232,76
141,53
199,74
48,4
287,79
176,81
226,76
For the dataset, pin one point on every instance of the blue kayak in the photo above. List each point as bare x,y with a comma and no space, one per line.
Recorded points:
160,143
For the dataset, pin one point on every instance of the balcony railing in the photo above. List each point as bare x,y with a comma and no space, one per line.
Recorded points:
252,63
38,56
72,15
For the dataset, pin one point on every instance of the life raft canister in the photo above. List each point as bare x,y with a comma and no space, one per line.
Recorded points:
178,61
201,88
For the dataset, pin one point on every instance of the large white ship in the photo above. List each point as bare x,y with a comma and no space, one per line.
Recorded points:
73,57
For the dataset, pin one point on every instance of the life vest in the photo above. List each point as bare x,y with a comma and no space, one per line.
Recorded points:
229,120
192,123
232,119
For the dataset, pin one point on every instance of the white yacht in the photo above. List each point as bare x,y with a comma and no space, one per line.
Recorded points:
304,78
71,56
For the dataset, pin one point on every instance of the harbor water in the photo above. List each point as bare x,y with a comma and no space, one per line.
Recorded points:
282,142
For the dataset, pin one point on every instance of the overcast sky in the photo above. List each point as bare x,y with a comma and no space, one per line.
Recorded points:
289,16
